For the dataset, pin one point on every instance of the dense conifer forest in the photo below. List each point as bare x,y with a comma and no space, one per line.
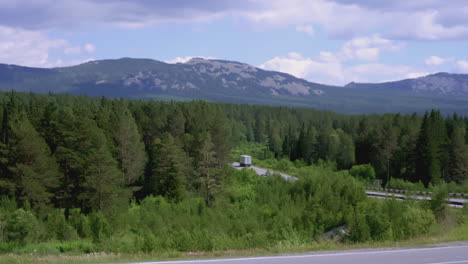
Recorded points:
148,176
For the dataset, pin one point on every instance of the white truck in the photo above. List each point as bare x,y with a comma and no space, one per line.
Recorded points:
245,161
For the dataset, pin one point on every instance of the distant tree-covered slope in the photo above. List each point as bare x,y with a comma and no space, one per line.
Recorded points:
228,81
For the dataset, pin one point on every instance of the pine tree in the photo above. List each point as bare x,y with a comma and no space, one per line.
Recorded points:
221,137
385,145
209,174
103,186
130,149
36,172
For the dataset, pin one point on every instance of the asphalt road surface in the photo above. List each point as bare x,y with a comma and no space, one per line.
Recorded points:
262,172
452,254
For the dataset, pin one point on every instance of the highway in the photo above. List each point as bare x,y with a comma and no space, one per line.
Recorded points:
455,253
263,172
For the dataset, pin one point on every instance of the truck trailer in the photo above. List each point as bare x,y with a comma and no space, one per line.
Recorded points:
245,161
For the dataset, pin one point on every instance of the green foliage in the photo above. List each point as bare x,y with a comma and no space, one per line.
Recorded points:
58,227
99,226
145,176
21,226
379,220
365,172
401,184
438,201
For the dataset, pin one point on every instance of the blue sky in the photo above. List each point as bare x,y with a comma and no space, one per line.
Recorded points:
326,41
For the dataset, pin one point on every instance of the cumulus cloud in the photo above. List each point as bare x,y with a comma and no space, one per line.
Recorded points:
428,19
187,58
414,75
397,19
308,29
33,48
368,48
324,69
462,66
27,48
436,61
314,70
363,48
90,48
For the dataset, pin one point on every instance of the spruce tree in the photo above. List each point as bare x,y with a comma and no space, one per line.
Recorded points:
458,155
170,169
424,152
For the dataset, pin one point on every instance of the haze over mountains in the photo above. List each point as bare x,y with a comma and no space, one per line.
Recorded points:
228,81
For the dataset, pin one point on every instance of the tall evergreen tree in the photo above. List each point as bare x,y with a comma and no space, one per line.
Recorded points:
458,155
209,173
363,143
36,172
170,169
130,149
103,182
424,152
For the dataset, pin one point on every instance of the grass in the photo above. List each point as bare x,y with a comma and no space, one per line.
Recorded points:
50,253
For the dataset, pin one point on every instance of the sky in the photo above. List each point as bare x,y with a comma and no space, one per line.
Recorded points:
325,41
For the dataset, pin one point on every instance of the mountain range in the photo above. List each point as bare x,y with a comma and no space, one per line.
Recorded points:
228,81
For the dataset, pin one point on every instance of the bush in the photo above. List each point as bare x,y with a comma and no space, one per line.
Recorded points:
58,227
417,221
401,184
22,226
363,172
80,223
438,203
99,226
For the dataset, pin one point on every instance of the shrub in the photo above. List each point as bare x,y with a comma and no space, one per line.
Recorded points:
438,201
99,226
21,226
364,172
58,227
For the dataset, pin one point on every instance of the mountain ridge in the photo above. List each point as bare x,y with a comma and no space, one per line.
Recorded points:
231,81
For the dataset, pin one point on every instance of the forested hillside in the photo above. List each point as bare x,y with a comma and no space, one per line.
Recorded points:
71,167
235,82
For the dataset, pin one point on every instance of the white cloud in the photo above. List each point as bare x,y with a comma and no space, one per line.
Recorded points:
399,19
28,48
428,20
33,48
363,48
90,48
185,59
462,66
414,75
308,29
424,25
331,71
436,61
307,68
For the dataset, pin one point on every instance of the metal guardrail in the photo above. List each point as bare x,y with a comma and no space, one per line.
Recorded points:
465,195
452,202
